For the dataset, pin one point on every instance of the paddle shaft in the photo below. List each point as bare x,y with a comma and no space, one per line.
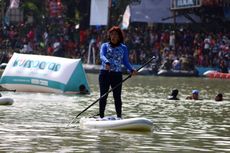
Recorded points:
8,90
129,76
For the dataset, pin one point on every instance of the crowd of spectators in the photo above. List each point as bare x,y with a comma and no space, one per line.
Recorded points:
178,48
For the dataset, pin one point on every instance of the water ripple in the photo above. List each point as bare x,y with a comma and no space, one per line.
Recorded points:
38,122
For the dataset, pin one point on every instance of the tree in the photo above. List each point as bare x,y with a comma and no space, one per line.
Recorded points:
35,8
117,10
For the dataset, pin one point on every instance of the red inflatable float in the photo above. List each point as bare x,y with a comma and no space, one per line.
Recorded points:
216,74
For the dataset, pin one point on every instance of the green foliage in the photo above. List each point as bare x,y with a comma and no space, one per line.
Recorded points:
30,6
35,8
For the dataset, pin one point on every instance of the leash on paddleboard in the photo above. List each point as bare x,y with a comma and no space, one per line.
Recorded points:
129,76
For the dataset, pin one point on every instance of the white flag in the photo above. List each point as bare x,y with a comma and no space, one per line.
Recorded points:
126,18
14,3
99,11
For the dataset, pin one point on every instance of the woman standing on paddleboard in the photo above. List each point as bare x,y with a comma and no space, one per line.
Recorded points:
113,54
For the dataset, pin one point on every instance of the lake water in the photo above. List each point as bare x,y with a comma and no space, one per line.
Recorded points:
38,122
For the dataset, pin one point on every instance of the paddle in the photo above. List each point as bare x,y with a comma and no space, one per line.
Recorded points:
8,90
129,76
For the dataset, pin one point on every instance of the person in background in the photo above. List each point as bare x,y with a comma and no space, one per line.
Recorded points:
195,95
173,95
219,97
58,50
113,54
176,65
50,49
167,64
223,66
82,89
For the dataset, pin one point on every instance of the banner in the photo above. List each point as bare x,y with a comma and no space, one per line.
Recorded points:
157,11
14,3
126,18
99,11
185,4
37,73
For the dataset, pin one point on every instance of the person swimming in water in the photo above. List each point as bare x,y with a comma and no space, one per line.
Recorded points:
219,97
83,90
194,96
173,95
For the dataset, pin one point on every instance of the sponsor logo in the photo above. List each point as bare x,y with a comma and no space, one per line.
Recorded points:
37,64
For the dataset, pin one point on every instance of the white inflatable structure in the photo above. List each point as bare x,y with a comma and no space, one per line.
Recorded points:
37,73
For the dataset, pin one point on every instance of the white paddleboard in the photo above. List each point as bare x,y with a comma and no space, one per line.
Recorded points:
112,123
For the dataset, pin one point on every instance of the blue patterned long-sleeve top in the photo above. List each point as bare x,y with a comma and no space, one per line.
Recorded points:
115,56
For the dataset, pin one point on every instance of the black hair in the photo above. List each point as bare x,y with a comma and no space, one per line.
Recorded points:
119,31
83,89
